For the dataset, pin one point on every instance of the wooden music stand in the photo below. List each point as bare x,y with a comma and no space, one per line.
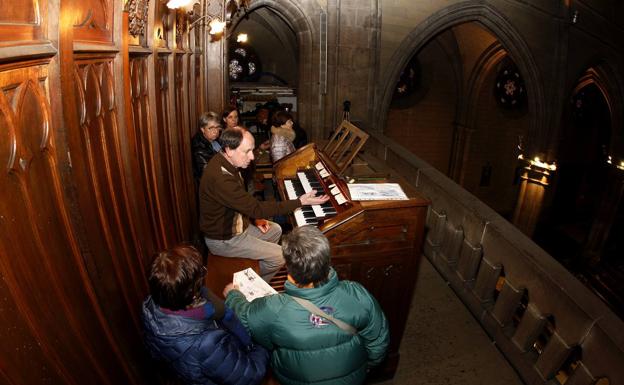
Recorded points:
344,145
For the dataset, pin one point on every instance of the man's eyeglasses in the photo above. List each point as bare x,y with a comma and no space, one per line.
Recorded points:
215,128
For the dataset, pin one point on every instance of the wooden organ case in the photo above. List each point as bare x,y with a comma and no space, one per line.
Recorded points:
376,243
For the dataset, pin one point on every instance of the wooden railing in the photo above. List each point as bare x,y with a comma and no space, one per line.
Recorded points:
549,326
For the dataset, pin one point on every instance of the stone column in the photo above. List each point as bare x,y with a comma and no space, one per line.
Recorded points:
605,216
535,178
459,153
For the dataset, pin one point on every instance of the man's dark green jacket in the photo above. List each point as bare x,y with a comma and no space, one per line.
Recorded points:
307,349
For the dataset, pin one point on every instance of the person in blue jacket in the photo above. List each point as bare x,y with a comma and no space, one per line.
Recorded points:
191,331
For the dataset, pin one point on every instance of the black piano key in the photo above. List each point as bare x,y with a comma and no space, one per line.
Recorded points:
312,178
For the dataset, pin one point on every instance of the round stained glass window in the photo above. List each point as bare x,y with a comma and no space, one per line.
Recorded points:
244,65
236,69
509,88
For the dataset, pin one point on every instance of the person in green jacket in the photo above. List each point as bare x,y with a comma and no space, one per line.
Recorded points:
307,348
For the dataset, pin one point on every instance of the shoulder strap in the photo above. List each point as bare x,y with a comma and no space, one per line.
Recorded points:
315,310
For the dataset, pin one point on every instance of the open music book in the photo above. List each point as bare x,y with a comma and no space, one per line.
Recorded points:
251,284
376,191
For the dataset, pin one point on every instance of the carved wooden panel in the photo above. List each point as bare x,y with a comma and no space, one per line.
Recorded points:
53,327
163,25
181,26
24,22
200,106
104,192
145,145
94,20
191,107
197,37
182,144
167,190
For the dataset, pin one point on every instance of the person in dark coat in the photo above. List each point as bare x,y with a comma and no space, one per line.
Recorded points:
204,144
191,331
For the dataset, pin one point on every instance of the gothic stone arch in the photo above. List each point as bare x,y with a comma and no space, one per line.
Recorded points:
488,17
305,25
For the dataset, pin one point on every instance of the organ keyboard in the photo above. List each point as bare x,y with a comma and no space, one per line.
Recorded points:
306,182
376,243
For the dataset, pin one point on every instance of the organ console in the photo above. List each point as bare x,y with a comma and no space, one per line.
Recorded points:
376,243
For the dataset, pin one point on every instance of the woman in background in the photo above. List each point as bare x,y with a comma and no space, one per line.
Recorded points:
230,117
282,135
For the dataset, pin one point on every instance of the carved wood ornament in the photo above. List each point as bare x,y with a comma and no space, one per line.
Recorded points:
95,15
137,16
181,28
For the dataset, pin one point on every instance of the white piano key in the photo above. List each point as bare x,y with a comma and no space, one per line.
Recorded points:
299,219
318,211
304,181
290,189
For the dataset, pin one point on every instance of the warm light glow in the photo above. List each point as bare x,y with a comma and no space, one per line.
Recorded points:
538,163
520,156
621,165
189,8
175,4
241,38
216,27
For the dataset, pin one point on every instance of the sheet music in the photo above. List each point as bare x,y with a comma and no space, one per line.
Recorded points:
376,191
251,285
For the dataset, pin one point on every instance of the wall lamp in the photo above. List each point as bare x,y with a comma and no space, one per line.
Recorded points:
537,171
619,166
232,7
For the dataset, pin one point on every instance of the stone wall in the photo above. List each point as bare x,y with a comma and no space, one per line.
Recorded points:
549,326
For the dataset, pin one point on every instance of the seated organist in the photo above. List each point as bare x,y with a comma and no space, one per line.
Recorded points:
233,222
322,330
